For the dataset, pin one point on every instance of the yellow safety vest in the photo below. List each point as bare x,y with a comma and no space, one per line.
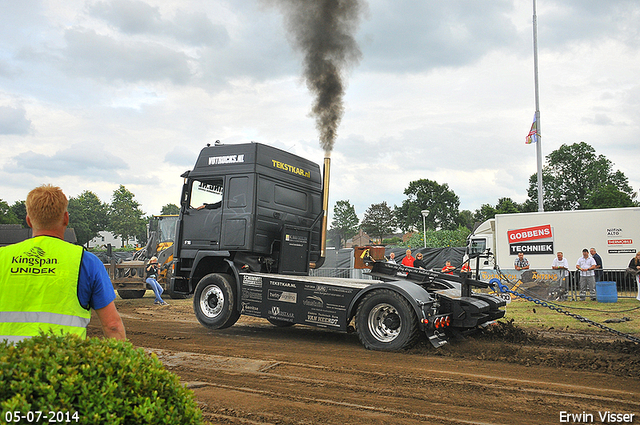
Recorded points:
39,289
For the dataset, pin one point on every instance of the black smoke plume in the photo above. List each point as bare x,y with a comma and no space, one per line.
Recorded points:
323,30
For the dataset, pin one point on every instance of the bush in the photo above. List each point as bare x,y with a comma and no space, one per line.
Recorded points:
396,241
105,381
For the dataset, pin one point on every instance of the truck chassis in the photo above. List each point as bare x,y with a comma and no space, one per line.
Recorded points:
388,314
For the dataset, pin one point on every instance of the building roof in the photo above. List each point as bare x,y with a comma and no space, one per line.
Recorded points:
14,233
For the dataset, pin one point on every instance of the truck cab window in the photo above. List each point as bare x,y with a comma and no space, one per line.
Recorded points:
477,247
206,194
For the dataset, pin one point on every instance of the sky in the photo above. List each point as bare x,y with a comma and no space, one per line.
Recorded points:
99,93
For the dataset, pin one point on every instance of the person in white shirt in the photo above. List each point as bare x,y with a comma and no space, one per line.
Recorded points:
561,263
586,265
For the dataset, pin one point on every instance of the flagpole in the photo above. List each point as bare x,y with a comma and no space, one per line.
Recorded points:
538,128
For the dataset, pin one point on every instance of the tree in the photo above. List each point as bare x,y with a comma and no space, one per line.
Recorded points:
466,219
484,213
572,175
170,209
425,194
141,234
19,209
345,222
507,206
88,216
378,220
125,217
440,238
608,196
504,206
529,206
6,215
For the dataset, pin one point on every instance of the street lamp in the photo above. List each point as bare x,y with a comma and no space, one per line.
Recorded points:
425,213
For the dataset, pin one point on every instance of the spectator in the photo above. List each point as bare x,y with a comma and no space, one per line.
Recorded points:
418,263
521,263
465,267
634,267
598,270
586,265
448,268
57,283
408,259
152,274
561,263
392,258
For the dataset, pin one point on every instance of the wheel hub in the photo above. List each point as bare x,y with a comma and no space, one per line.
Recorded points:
384,322
212,301
392,321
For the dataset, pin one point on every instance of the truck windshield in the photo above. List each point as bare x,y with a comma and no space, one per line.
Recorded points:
167,228
206,194
477,247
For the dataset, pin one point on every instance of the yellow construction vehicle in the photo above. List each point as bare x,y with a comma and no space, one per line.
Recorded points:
128,277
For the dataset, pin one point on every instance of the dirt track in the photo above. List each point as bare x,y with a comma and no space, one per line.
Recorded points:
255,373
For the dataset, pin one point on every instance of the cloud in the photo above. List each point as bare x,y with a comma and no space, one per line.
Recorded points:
599,119
86,160
90,54
196,29
580,21
181,156
444,91
130,16
410,36
14,121
138,17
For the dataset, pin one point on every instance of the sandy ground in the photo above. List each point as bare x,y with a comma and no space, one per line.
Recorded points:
255,373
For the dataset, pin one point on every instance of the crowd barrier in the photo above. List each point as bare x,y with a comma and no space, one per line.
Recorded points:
554,285
544,283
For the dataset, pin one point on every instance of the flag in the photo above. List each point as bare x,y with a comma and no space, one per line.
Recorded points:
532,137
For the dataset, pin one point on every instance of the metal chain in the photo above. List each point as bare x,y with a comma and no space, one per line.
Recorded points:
504,288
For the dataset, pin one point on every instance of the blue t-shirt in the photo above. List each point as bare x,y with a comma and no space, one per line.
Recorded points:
94,287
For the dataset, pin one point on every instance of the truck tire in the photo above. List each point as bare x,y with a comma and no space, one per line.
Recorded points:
385,321
280,323
131,294
214,301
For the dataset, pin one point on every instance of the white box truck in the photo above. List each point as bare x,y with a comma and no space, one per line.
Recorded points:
613,232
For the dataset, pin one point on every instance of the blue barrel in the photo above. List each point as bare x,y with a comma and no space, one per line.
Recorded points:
606,292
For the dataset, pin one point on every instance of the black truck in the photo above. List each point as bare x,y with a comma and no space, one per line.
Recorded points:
253,223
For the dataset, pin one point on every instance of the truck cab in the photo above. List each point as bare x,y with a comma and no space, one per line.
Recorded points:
247,207
481,244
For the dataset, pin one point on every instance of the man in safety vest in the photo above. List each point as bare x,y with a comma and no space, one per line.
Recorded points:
47,284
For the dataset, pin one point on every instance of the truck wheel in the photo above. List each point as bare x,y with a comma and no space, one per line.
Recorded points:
385,321
214,301
129,294
280,323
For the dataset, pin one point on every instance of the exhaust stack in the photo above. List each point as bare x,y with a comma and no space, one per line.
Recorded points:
325,206
325,213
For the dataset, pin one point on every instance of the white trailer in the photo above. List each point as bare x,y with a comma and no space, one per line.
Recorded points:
613,232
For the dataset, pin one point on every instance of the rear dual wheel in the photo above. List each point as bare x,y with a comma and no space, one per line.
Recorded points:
385,321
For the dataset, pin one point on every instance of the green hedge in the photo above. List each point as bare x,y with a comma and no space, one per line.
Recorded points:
105,381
